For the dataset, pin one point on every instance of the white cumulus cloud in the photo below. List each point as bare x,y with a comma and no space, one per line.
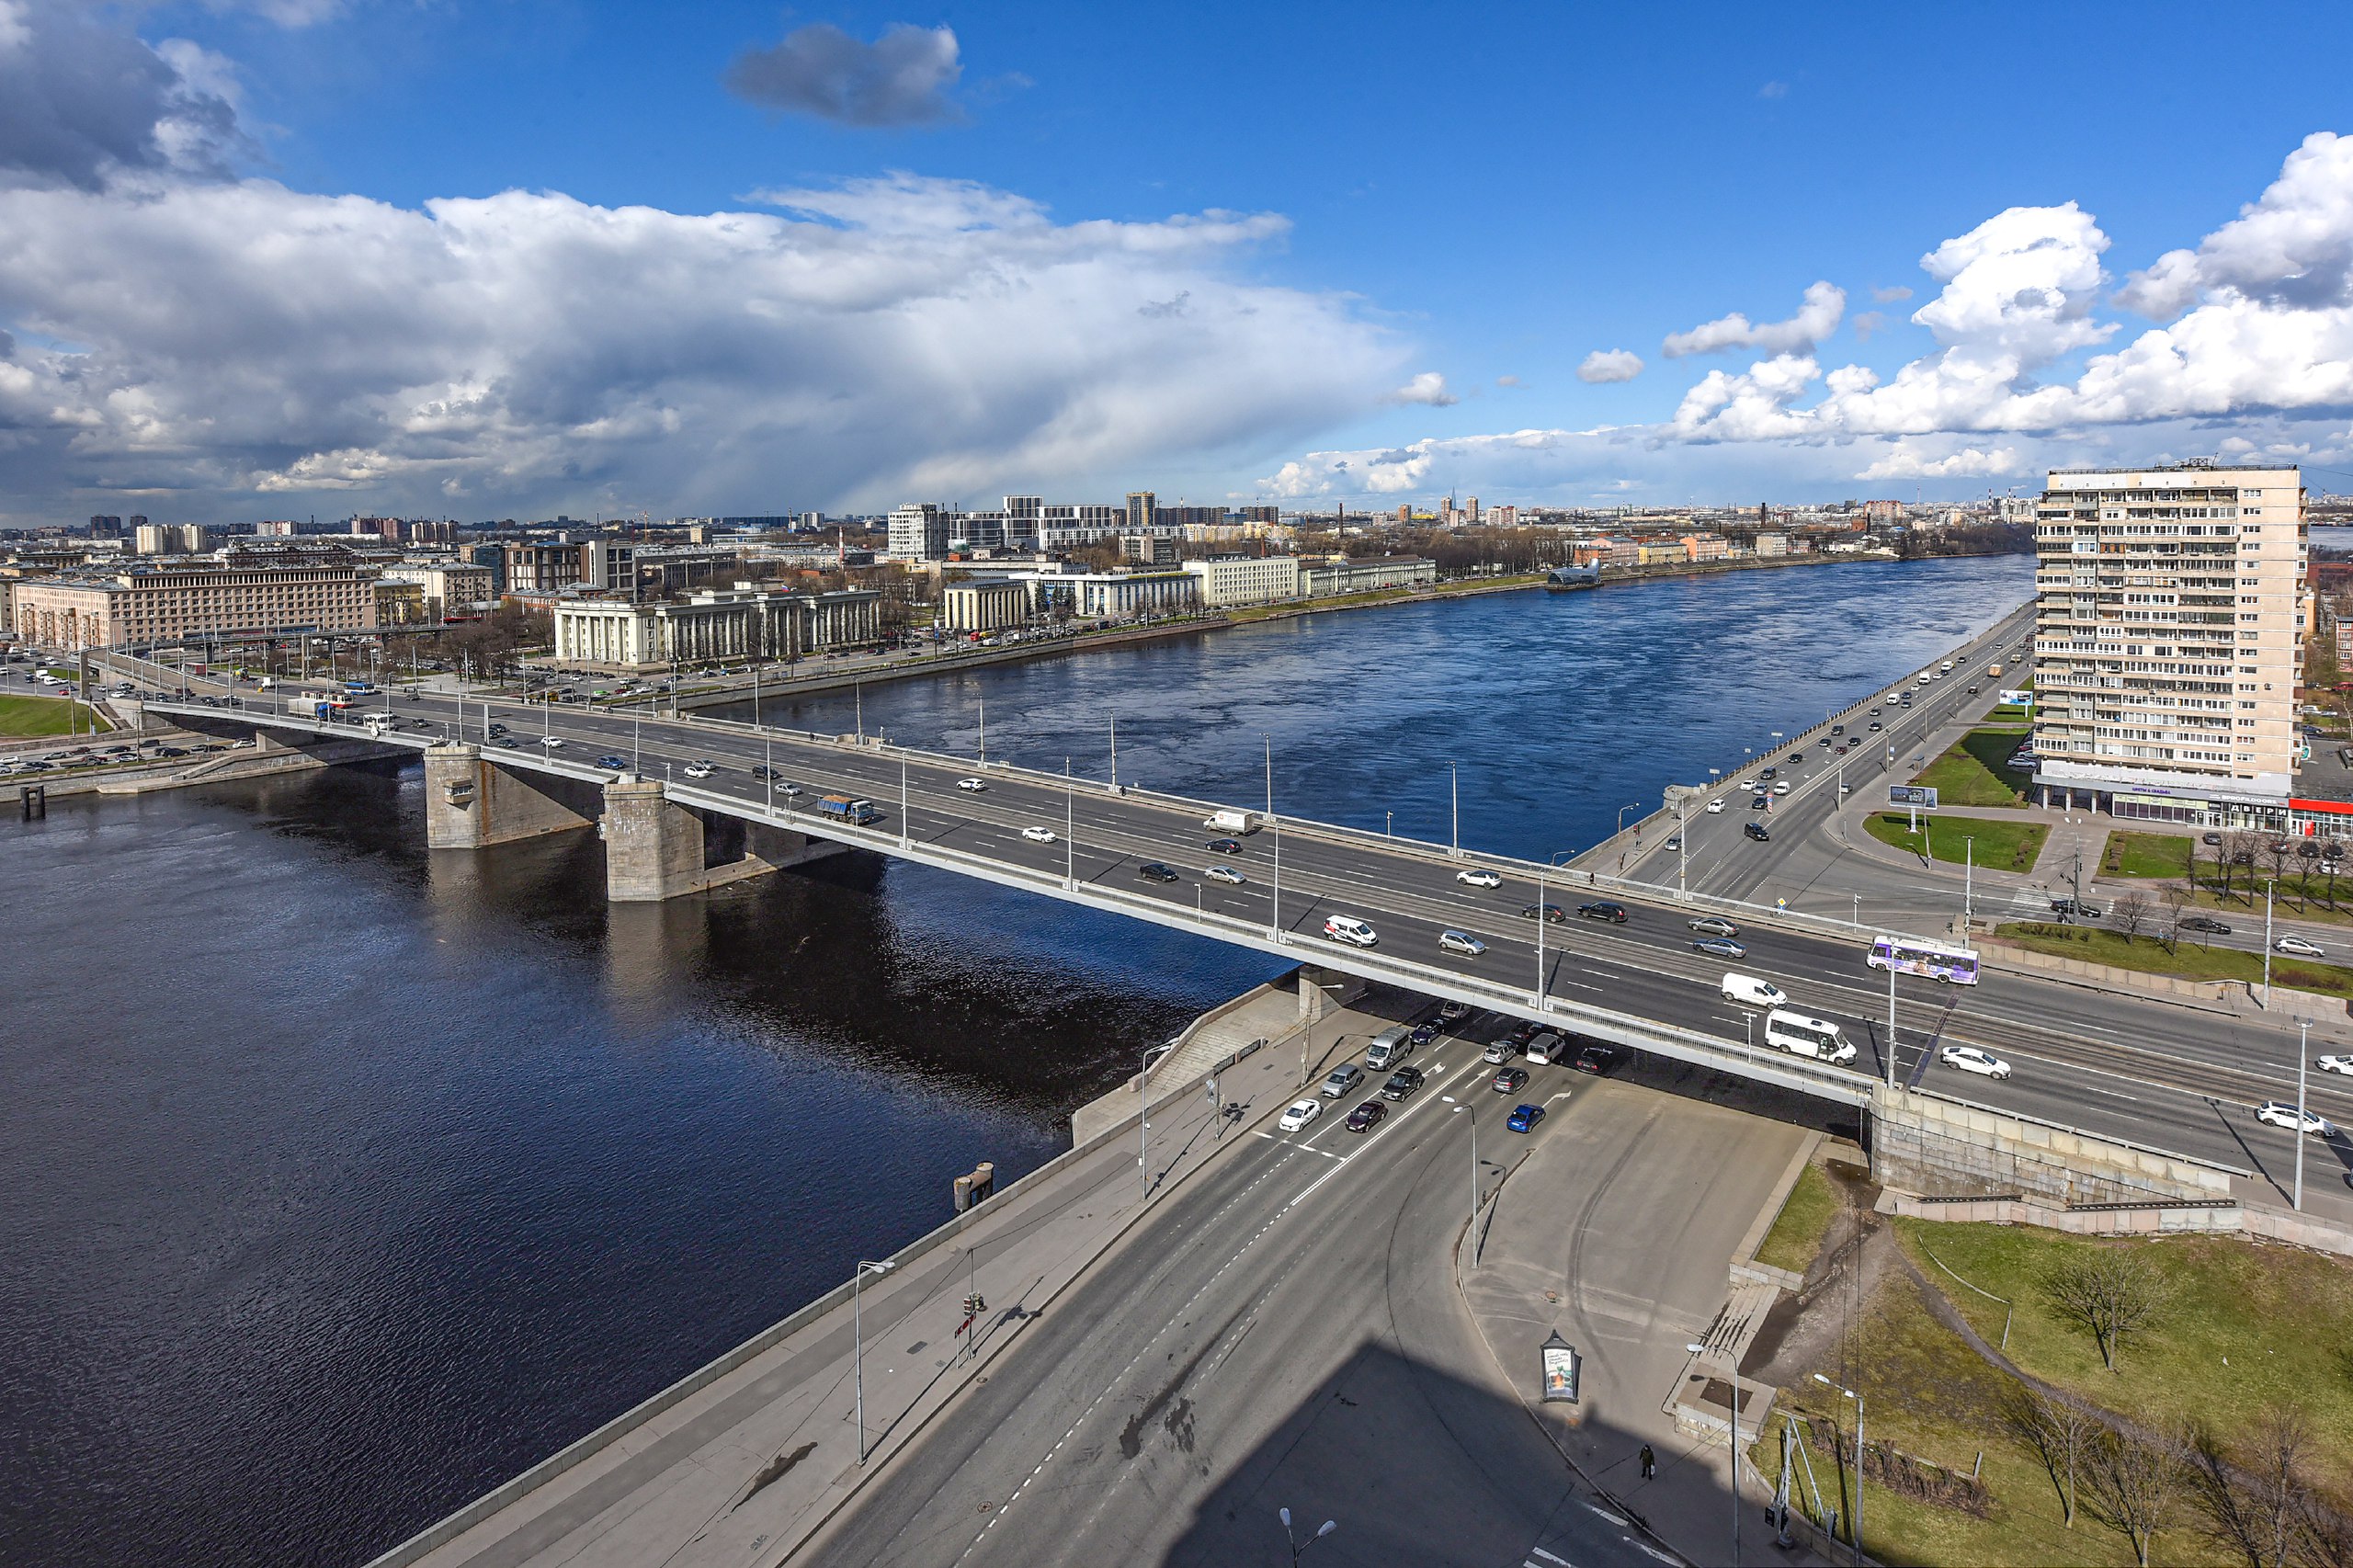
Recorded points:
1908,459
876,340
1428,387
1816,318
1604,364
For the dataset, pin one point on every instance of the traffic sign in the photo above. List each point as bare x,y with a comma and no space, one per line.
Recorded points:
1912,795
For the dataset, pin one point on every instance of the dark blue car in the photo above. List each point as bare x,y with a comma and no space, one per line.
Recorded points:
1524,1118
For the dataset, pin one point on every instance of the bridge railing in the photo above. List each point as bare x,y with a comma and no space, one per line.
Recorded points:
1581,1017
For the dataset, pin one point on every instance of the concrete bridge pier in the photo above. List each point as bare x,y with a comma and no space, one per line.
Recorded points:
656,849
471,803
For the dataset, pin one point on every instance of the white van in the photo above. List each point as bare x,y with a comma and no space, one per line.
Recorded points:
1801,1036
1389,1048
1751,992
1546,1047
1349,929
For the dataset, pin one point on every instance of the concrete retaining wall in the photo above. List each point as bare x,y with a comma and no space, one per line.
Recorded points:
1940,1148
2009,955
2134,1220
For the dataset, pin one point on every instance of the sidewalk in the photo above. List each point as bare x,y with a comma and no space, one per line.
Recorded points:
744,1459
1631,1272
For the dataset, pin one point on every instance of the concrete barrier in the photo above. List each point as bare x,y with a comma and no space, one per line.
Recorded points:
1941,1148
2009,955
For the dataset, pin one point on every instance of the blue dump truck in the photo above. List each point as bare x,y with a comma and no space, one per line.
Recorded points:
849,809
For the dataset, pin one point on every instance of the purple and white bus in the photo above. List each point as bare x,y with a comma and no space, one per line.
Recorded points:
1957,965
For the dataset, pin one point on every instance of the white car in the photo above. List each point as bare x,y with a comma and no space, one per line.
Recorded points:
2279,1113
1461,942
1349,929
1039,835
1301,1113
974,785
2334,1064
2299,947
1715,805
1225,874
699,770
554,743
1969,1059
1479,879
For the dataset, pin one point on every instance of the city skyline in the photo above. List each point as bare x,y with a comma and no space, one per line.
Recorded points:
312,255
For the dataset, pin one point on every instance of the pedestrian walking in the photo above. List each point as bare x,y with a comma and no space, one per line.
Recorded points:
1650,1462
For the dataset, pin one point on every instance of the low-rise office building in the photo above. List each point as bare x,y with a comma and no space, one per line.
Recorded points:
171,604
1229,580
1340,576
714,623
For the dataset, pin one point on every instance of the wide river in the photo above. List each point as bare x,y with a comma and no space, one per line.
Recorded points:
343,1180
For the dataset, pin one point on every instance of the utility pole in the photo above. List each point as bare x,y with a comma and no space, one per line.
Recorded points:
2304,1048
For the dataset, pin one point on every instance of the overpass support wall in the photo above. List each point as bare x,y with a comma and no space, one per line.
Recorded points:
471,803
1941,1148
655,850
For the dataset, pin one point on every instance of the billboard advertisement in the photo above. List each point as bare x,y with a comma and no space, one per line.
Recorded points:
1912,795
1560,1369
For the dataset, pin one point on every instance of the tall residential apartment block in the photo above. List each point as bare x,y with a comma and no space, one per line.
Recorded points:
2168,642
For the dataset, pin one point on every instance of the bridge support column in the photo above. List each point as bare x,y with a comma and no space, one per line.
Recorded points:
471,803
655,850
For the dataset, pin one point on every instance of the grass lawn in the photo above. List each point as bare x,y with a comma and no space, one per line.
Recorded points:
2147,855
2246,1326
2004,846
1975,770
1927,1395
25,717
1796,1231
2191,962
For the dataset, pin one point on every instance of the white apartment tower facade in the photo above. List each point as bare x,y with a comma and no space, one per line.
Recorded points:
2168,642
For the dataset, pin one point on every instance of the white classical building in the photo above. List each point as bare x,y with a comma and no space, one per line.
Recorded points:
714,623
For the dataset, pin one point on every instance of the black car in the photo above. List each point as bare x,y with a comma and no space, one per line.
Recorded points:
2074,909
2205,923
1596,1059
1768,773
1403,1082
1761,803
1509,1080
1224,847
1603,909
1366,1117
1755,830
1797,757
1838,728
762,770
1553,912
1154,871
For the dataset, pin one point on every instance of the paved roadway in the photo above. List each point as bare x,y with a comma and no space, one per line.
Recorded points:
2161,1074
1288,1334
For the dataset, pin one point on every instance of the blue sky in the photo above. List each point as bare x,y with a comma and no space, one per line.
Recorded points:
1020,289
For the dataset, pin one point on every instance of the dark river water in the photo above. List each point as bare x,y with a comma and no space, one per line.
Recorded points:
340,1181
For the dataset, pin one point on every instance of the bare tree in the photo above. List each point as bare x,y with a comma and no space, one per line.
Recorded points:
2132,912
2062,1434
2111,1292
2238,848
2258,1511
2177,904
2134,1485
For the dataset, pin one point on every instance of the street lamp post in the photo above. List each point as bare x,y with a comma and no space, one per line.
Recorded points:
1968,879
1143,1110
1732,1365
2270,888
2304,1045
1454,791
1298,1546
1457,1110
1070,827
1855,1525
858,1352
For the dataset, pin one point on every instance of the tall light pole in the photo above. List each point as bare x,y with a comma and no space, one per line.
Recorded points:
985,731
857,1351
1115,752
2303,1045
1299,1546
1454,790
1855,1525
1629,806
1270,775
1890,1020
1732,1365
1457,1110
1968,879
1070,827
1143,1110
2268,888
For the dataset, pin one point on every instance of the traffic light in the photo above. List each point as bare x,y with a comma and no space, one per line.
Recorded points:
974,1306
